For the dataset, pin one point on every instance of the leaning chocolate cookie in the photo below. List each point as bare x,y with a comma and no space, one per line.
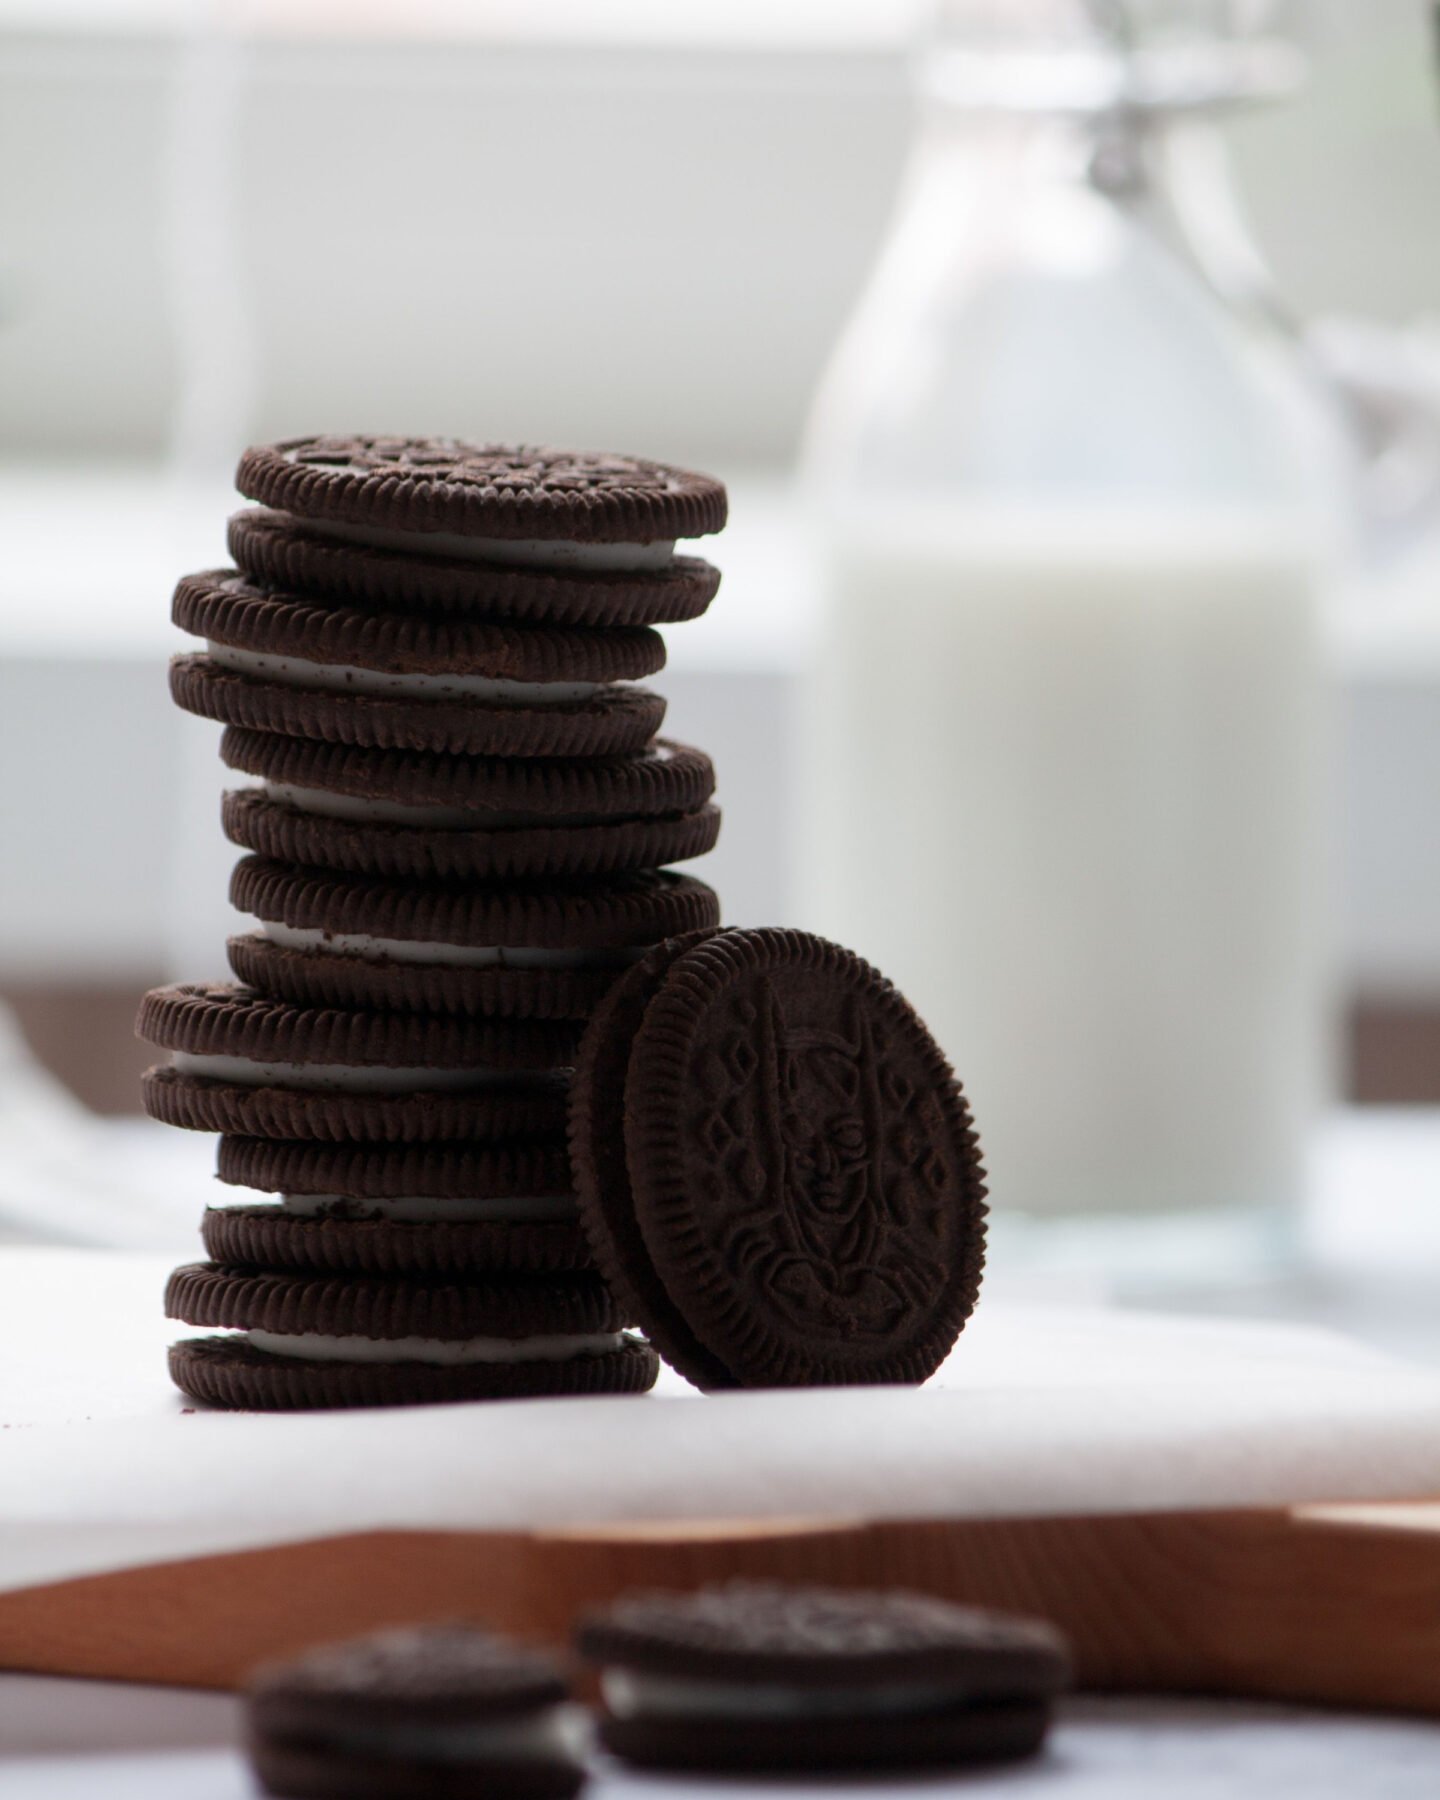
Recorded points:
300,1341
776,1167
761,1676
428,1712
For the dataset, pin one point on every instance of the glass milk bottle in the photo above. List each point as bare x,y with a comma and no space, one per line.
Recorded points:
1076,498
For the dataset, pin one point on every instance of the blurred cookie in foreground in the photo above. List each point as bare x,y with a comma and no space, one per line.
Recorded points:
434,1711
762,1676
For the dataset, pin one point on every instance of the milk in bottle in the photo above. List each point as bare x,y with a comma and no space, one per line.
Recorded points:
1066,736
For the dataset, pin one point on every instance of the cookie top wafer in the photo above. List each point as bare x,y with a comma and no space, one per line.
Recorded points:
324,974
420,1675
579,916
353,1237
220,1020
819,1638
776,1165
664,777
289,828
292,1305
276,549
287,1106
450,485
224,608
379,1171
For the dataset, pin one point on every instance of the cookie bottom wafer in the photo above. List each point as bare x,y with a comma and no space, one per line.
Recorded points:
517,1107
322,977
298,1770
288,833
268,1236
997,1731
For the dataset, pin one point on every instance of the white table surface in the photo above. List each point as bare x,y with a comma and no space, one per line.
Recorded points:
79,1740
1372,1241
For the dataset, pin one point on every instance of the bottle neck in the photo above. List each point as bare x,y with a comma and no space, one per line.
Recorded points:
1094,58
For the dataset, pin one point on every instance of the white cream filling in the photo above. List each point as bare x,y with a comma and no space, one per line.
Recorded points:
462,956
550,1733
530,553
296,671
630,1695
513,1209
317,1346
363,811
335,1077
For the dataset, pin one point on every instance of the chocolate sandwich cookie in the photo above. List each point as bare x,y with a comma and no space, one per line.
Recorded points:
251,1064
474,818
609,721
427,1712
435,818
662,779
776,1167
323,1341
537,951
755,1675
427,1209
430,1209
510,531
515,493
278,550
290,636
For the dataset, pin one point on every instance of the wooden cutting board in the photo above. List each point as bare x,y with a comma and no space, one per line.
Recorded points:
1331,1604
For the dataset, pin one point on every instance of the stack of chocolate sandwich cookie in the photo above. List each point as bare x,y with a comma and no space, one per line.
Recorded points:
457,825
